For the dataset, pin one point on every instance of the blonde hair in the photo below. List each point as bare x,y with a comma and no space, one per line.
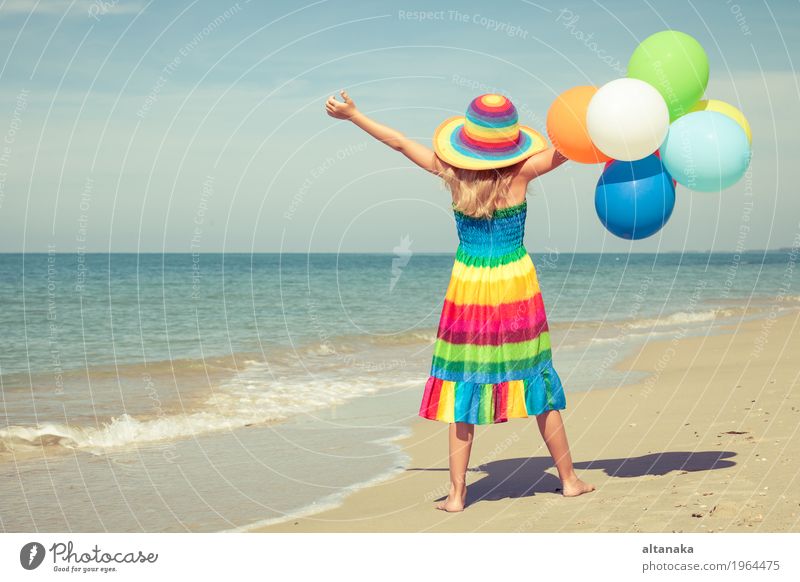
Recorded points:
478,192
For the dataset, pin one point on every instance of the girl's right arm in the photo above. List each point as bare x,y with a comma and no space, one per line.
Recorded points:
421,155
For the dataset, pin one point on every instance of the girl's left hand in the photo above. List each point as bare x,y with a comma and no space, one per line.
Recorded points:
338,109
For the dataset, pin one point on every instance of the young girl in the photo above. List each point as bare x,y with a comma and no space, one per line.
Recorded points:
492,358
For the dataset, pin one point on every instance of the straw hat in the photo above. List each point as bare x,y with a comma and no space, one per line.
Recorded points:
488,136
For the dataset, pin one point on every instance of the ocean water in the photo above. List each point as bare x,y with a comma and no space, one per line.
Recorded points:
207,392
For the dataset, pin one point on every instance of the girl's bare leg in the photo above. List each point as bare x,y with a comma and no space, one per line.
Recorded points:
461,435
555,437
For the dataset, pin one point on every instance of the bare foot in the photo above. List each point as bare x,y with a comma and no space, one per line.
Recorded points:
452,504
574,487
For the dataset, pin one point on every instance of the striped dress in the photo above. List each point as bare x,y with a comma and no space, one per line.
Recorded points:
492,358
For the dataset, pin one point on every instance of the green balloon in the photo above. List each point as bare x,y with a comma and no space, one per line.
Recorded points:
674,63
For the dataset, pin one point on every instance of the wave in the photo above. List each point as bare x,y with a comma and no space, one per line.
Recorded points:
244,400
682,317
344,344
623,338
607,340
666,321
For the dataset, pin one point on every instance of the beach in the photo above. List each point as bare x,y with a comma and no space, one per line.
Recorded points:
169,407
708,441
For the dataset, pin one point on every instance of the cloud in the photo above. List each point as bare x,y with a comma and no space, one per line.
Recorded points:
92,8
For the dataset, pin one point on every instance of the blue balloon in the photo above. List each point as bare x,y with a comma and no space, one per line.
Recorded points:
706,151
635,199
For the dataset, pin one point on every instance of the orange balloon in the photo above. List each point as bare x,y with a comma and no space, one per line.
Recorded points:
566,126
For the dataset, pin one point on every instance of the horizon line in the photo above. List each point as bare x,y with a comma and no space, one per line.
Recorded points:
704,251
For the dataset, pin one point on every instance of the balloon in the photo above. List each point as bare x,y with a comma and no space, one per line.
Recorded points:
627,119
566,126
726,109
674,63
656,154
706,151
634,199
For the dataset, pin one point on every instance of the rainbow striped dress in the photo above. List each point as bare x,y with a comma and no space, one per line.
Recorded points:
492,358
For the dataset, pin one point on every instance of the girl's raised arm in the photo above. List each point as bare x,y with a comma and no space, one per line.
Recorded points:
421,155
541,163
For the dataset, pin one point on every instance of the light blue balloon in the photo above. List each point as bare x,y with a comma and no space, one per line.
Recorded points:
706,151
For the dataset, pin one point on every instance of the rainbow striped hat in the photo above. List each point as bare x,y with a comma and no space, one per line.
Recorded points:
488,136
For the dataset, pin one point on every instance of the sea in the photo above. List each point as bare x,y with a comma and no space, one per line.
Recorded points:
220,392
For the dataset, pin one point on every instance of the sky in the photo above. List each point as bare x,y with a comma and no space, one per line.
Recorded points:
199,126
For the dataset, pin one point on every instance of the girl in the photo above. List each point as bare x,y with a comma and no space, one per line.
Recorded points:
492,358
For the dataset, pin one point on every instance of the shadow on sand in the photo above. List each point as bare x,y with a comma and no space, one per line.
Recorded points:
524,477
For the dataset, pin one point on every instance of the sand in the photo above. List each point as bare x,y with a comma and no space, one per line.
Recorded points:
709,442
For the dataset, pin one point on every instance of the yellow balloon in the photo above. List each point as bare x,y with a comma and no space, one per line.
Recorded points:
725,109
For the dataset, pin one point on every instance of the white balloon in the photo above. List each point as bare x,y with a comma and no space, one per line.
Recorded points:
627,119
